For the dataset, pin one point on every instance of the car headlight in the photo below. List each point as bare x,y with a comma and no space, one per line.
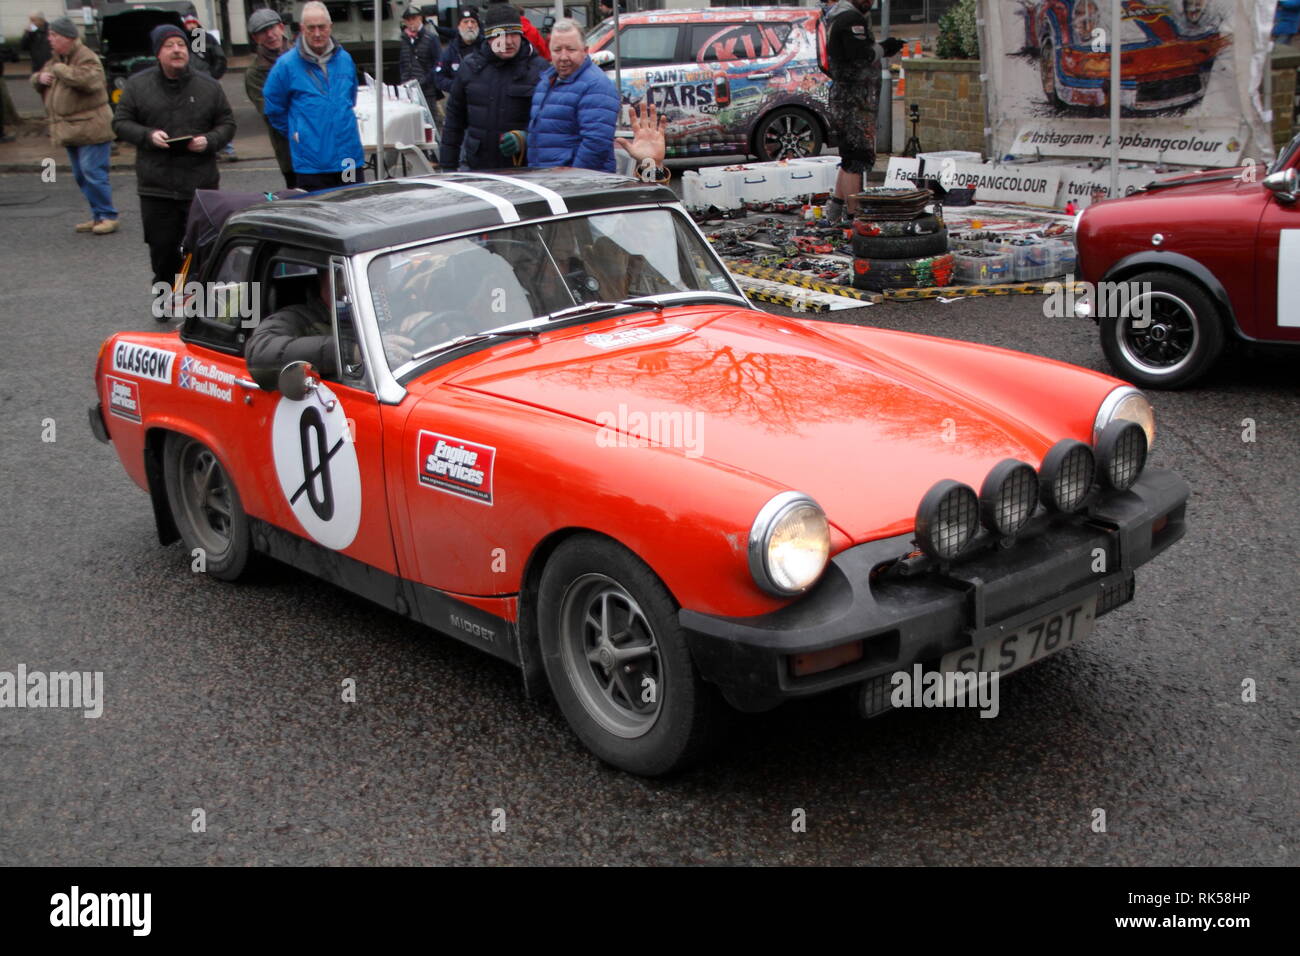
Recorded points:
1121,454
1127,404
947,519
789,544
1067,475
1009,496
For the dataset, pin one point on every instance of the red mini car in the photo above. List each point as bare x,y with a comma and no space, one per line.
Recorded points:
543,420
1192,264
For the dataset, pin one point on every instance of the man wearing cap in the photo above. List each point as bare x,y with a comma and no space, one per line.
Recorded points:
487,110
266,32
531,33
468,36
309,97
177,119
419,55
575,107
76,101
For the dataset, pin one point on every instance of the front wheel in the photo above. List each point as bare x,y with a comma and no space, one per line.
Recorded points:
1169,335
787,133
206,507
617,660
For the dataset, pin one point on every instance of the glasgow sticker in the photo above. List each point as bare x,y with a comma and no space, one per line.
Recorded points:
143,361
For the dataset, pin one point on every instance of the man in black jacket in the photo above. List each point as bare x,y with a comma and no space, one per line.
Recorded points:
854,96
178,120
418,55
489,104
466,40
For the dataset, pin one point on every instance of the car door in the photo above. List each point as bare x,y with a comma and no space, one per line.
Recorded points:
320,459
649,63
1277,275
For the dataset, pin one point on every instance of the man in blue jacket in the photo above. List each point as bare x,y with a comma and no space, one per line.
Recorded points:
487,111
309,97
575,107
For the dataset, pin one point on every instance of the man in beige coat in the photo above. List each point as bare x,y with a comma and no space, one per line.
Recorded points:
76,101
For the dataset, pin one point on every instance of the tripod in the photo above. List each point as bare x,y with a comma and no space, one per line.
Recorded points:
913,144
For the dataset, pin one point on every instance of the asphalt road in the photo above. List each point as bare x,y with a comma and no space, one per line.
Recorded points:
227,697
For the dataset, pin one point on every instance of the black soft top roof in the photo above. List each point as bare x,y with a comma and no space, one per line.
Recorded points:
368,216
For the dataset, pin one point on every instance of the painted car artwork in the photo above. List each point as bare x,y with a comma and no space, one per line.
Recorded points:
1168,52
595,460
1193,265
729,81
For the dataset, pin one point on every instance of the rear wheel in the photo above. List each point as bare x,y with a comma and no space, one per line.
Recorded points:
206,507
1172,334
617,660
787,133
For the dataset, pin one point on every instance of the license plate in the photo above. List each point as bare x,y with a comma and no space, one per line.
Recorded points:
1028,643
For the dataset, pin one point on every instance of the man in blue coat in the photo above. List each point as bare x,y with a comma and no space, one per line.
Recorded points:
309,97
575,107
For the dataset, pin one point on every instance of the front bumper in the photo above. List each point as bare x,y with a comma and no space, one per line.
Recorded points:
908,619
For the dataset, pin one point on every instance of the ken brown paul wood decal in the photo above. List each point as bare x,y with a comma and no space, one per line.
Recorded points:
456,466
316,464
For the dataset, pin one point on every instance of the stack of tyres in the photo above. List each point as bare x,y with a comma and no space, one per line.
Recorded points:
898,243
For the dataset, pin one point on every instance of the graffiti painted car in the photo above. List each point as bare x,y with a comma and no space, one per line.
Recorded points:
730,81
1204,262
595,460
1167,51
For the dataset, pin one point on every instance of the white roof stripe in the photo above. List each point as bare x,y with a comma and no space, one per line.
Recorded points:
502,206
554,199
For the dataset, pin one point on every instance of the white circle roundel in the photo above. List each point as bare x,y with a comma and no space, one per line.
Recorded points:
316,463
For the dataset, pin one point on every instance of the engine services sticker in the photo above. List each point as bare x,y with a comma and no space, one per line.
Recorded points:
123,398
456,466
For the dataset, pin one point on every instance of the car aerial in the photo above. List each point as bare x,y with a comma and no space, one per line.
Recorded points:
1192,264
124,38
744,67
595,460
1167,52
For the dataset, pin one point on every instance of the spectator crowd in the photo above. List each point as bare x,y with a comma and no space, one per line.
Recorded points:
500,94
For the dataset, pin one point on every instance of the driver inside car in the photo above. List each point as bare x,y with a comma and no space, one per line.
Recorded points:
304,332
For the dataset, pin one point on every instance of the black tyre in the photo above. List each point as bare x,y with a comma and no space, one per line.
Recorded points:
787,133
1174,343
617,660
922,273
892,204
921,225
206,506
900,247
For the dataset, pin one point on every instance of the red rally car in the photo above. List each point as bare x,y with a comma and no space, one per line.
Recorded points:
1191,265
558,432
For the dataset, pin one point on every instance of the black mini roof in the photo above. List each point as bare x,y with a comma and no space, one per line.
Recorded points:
368,216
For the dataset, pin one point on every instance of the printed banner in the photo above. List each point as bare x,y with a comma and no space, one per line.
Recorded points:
1186,69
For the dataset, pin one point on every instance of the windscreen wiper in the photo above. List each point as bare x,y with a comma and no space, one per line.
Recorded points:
472,339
